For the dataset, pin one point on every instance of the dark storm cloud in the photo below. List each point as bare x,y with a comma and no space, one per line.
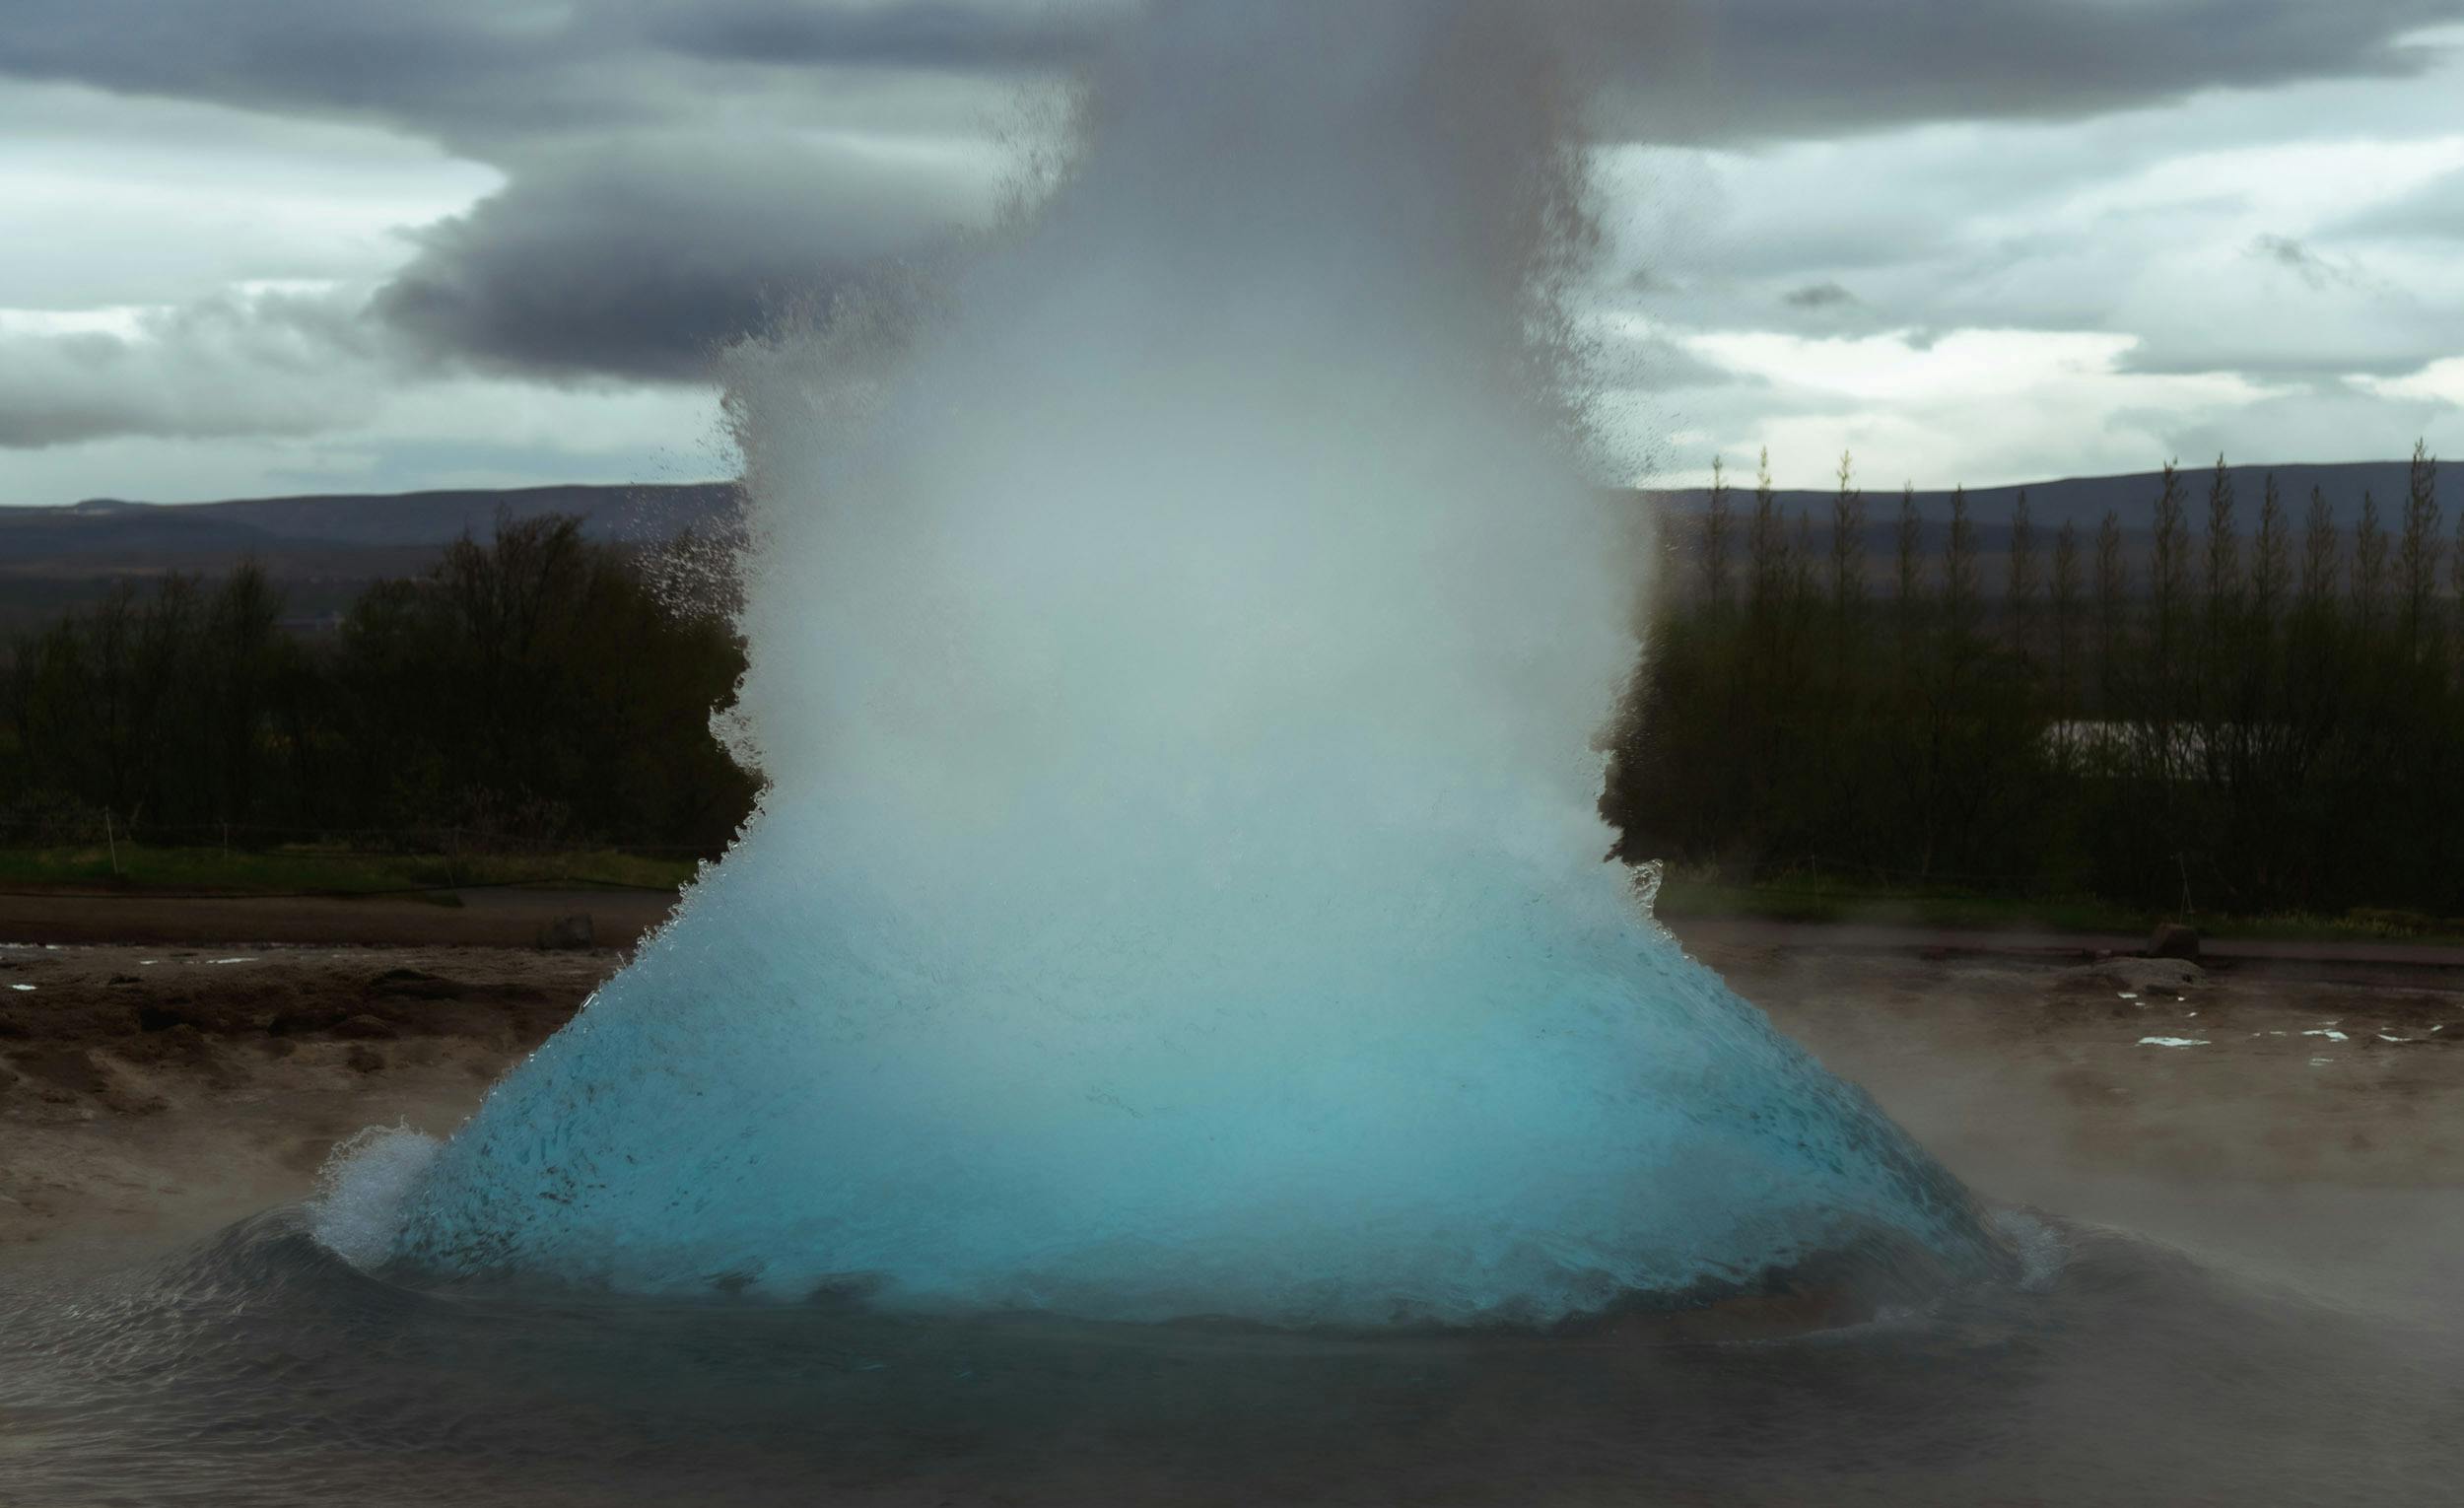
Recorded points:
605,256
1759,70
935,35
471,71
663,191
443,67
1707,70
640,259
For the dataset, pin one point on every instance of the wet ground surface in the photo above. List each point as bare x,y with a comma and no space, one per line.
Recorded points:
258,1369
2310,958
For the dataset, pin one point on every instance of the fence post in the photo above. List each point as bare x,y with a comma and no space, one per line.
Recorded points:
112,839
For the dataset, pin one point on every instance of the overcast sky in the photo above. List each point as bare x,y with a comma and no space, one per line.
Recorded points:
262,246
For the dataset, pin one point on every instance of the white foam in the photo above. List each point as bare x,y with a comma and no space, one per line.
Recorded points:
2172,1042
358,1205
2043,1251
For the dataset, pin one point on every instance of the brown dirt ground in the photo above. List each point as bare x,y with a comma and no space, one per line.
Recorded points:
150,1091
507,917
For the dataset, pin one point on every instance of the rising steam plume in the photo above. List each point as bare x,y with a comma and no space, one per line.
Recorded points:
1175,640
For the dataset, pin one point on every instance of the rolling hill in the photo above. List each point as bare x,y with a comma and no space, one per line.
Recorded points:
322,549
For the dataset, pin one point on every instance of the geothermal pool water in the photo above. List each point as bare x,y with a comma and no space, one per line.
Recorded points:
1168,1033
260,1368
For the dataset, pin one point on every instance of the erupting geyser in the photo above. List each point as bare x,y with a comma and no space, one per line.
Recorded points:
1175,642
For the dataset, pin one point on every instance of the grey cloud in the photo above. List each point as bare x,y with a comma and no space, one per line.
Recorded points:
606,255
664,188
1818,296
440,66
1713,69
471,72
2433,212
1654,363
922,33
640,259
272,365
2304,362
1767,70
2293,256
2316,422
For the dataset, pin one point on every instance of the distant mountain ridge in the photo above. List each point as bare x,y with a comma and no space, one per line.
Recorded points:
322,546
115,536
322,550
2083,501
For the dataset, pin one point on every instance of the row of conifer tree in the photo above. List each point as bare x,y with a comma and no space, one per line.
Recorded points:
528,690
2230,706
2253,706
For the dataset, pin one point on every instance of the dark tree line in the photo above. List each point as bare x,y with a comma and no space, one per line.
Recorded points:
531,688
2260,710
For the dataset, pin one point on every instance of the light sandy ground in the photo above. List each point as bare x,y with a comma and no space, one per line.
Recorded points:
152,1093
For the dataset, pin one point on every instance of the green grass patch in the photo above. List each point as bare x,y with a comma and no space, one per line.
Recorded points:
316,869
